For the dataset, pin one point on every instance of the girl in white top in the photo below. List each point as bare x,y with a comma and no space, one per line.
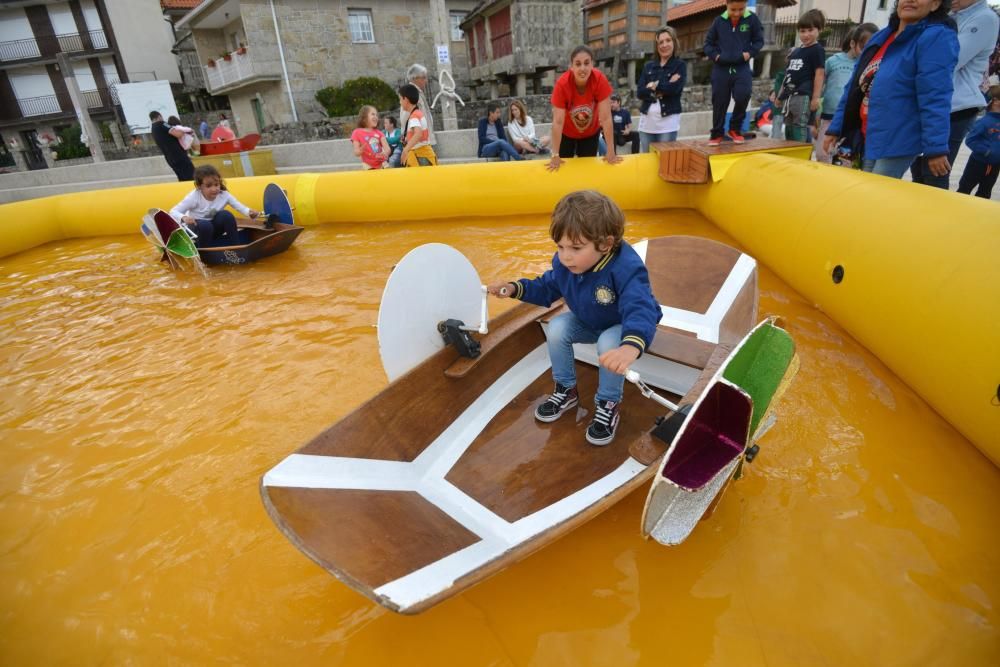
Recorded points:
521,130
189,138
203,210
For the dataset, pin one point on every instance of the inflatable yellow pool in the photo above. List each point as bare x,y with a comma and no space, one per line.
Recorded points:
138,409
916,269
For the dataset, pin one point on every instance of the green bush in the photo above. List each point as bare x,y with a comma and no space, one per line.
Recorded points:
70,146
348,99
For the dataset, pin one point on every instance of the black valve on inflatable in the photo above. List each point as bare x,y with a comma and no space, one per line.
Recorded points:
453,334
271,219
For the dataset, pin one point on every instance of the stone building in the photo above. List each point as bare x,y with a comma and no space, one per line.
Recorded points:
106,41
512,42
192,86
270,57
692,20
621,33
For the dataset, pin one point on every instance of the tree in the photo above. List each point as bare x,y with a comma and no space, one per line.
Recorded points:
348,99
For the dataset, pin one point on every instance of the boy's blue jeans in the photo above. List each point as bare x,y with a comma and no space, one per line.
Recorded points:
567,329
500,148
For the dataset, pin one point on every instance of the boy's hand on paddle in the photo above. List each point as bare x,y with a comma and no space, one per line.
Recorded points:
619,359
501,290
254,214
187,219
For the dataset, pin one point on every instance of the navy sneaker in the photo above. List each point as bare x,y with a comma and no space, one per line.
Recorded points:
561,400
602,429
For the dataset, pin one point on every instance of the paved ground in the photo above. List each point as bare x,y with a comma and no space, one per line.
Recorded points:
958,168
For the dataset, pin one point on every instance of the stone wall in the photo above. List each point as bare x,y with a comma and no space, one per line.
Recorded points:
694,98
319,51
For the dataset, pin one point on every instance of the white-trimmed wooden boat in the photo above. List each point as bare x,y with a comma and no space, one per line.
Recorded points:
445,477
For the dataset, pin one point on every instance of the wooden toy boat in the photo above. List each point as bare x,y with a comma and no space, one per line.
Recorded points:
272,233
445,477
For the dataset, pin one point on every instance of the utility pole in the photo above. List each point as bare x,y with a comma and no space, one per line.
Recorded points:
441,26
80,105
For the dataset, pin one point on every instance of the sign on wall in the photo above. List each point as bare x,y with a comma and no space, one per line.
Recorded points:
138,99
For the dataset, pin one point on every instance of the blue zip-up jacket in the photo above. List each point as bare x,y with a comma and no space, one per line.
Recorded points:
909,107
977,37
483,141
984,138
669,93
725,45
615,291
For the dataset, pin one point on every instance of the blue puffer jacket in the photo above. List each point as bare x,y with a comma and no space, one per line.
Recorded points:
669,93
909,107
984,139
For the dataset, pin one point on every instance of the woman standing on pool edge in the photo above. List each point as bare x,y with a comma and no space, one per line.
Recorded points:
583,96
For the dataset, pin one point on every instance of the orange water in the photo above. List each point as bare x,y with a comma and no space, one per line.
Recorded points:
139,408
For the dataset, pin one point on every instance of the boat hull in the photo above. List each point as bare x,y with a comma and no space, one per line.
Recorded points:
263,243
445,476
245,143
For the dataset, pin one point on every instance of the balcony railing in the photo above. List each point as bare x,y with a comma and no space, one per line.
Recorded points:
100,98
24,49
72,41
39,106
19,49
239,68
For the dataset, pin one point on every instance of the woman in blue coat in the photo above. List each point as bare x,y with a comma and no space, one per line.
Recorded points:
899,99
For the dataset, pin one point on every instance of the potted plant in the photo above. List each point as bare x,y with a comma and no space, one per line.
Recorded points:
242,50
211,63
227,56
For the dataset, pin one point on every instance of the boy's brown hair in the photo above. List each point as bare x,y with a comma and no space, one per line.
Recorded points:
587,215
813,18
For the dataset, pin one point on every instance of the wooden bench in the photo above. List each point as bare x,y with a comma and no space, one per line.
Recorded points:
689,161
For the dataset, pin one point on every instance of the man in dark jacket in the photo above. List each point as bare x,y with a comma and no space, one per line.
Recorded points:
166,139
732,40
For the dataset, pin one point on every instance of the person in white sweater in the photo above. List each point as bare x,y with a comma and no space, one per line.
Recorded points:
521,130
203,210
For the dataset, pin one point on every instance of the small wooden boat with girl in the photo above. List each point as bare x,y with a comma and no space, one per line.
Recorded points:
270,233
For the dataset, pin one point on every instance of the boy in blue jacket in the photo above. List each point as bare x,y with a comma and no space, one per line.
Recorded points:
606,286
732,40
984,140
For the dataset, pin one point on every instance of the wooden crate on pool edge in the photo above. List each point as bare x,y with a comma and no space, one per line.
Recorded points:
258,162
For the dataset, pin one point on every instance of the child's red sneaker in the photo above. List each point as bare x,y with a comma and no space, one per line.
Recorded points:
715,141
736,137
